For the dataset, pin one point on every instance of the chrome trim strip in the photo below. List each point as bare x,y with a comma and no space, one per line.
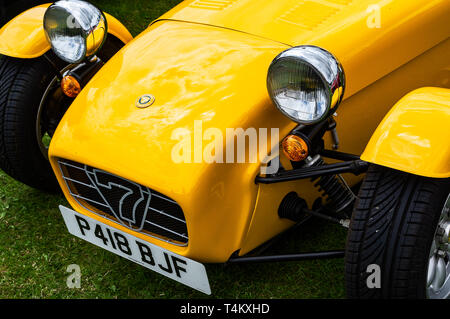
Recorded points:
87,199
70,165
78,182
166,229
166,199
165,214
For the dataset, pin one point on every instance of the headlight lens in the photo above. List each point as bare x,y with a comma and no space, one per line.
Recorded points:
306,83
75,29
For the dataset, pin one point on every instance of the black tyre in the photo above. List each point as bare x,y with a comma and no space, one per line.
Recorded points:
400,224
22,84
31,106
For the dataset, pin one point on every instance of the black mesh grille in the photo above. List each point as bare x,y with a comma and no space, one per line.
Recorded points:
130,204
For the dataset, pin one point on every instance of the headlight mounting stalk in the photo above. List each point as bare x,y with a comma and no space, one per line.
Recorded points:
83,72
307,83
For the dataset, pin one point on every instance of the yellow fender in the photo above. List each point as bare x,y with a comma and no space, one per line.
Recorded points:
24,37
415,135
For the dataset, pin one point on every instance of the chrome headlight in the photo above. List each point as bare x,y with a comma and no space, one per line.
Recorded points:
306,83
75,29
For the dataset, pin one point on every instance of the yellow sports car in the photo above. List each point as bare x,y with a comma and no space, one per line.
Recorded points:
227,122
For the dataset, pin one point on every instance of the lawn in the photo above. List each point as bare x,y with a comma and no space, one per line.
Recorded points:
35,248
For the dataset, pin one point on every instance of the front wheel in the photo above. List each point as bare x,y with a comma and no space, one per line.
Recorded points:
399,232
31,106
23,83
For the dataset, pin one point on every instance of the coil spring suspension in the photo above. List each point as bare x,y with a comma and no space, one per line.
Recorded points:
333,186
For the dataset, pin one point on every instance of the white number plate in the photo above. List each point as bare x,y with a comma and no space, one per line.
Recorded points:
165,262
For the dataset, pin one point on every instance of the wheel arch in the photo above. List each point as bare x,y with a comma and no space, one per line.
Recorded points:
414,135
23,37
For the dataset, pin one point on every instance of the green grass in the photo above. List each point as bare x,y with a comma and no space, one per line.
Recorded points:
136,15
35,247
35,250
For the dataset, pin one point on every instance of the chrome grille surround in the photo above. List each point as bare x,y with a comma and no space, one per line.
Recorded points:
127,203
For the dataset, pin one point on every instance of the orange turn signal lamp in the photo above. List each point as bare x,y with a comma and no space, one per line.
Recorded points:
70,86
295,148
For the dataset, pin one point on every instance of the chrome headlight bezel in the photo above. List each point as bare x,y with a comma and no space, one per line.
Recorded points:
75,29
323,69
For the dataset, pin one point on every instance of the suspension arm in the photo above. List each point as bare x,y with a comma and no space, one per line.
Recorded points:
355,167
290,257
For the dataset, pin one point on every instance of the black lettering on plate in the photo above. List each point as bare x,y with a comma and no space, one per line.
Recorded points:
82,224
146,253
98,232
110,238
168,267
176,265
122,243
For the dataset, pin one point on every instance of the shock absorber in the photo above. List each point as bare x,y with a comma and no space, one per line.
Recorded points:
333,186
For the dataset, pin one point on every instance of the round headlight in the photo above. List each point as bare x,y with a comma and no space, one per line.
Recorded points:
306,83
75,29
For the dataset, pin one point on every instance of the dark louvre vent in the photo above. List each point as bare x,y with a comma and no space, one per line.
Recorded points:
130,204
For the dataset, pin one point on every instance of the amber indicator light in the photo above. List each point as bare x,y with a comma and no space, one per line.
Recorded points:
295,148
70,86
